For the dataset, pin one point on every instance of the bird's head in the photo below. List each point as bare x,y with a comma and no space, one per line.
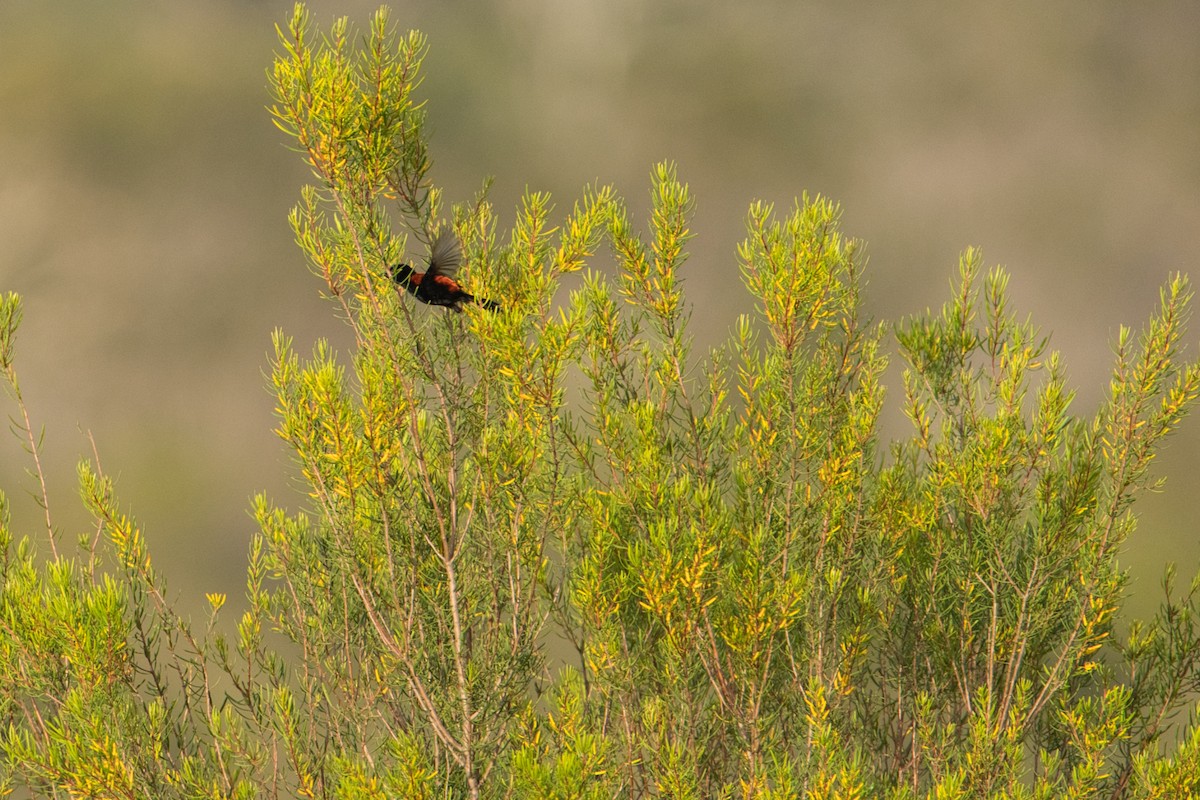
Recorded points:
400,273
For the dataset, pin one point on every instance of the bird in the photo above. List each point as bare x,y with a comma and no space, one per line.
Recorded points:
436,285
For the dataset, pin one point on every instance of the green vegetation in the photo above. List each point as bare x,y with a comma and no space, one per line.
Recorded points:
551,552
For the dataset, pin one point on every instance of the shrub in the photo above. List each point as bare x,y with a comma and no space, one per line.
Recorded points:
549,551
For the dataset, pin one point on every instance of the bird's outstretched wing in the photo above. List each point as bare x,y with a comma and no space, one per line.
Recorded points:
445,255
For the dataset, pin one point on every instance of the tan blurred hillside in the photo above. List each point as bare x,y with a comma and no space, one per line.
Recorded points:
144,196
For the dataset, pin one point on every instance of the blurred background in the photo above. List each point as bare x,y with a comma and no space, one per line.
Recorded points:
144,195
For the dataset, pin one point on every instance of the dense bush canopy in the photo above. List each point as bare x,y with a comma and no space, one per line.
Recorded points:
550,551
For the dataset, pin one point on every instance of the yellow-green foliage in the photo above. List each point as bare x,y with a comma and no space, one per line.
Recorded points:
548,551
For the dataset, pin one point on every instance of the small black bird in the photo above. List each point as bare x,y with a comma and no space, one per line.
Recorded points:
436,285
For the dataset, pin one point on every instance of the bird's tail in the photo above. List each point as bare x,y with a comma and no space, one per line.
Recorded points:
485,304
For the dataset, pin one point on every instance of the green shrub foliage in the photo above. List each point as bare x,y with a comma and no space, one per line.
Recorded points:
550,551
